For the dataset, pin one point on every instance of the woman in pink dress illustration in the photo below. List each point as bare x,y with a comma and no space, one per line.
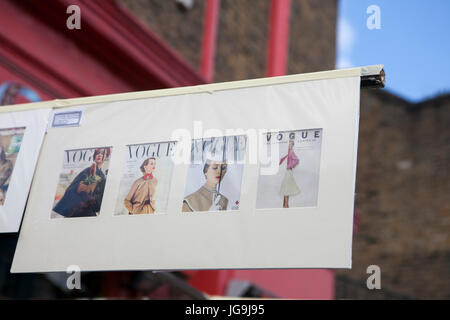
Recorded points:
289,187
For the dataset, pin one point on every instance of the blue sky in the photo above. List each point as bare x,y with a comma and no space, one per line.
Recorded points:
413,44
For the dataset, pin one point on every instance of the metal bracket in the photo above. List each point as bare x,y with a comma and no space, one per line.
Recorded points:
373,77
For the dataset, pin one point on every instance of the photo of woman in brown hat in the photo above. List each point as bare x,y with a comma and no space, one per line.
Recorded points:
140,197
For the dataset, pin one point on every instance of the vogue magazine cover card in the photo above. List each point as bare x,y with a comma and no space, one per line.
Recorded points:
295,182
10,141
145,184
215,174
81,183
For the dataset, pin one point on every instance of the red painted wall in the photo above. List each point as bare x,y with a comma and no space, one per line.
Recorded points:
111,53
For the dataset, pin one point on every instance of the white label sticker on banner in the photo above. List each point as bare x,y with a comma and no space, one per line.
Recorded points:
67,118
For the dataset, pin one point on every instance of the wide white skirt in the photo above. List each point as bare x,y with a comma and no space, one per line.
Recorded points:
289,187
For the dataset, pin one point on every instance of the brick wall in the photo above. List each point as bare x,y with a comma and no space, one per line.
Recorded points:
242,34
180,29
402,191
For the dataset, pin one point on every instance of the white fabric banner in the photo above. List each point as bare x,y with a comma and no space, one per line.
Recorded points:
21,135
251,177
